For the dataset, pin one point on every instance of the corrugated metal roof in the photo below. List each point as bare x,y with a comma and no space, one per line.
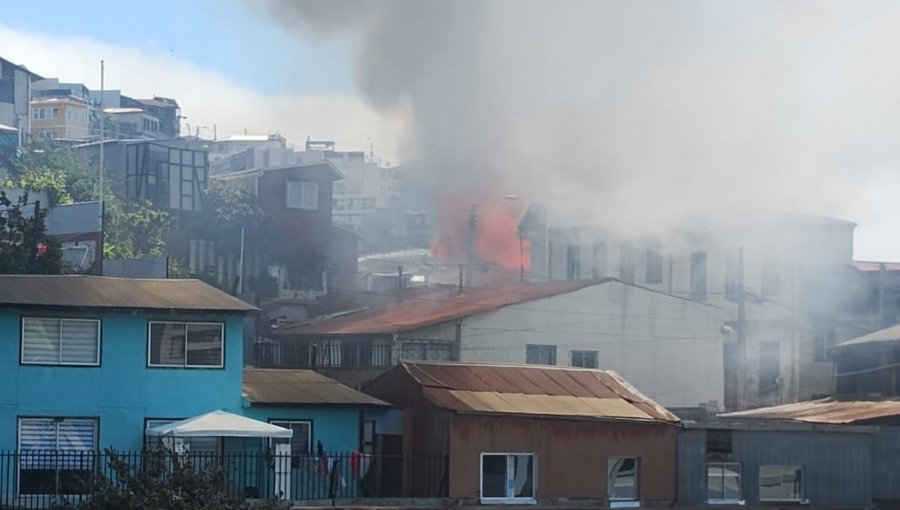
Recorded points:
886,335
103,292
289,387
426,310
827,411
534,390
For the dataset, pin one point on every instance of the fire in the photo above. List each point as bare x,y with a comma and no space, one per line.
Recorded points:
497,246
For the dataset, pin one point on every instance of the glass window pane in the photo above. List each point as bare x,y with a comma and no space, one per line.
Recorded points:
493,476
79,344
523,476
780,483
622,482
167,343
714,487
40,342
204,344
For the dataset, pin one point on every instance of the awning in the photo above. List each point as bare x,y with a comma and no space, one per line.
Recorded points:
220,424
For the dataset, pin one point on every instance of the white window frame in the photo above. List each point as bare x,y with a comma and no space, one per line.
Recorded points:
56,420
740,500
301,204
625,502
59,362
582,352
507,500
781,500
281,422
185,365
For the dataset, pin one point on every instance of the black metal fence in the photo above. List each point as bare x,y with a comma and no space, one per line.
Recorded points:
41,479
334,354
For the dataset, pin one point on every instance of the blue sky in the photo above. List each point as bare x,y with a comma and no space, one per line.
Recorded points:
229,36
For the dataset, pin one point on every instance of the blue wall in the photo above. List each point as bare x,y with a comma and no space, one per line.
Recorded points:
122,391
338,428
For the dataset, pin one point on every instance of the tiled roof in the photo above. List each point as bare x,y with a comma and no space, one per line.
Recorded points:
534,390
75,291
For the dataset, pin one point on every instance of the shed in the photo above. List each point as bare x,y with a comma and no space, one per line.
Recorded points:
525,434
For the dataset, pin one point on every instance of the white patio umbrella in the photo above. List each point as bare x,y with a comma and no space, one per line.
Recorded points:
220,424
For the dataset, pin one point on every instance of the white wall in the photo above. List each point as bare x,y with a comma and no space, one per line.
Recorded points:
669,348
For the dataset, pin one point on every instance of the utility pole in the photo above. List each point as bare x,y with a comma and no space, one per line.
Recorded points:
470,244
102,163
742,334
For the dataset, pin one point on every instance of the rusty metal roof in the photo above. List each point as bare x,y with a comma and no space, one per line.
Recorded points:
293,387
534,390
430,309
870,265
826,411
76,291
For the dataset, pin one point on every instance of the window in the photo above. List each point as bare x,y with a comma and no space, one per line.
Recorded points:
769,366
584,359
302,195
626,262
60,341
427,350
780,483
622,479
770,283
301,443
573,262
186,344
507,477
54,112
368,203
698,276
599,268
723,482
57,455
368,437
654,265
823,341
203,446
330,353
540,354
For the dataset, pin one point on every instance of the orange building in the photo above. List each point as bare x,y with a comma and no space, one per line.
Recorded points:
60,118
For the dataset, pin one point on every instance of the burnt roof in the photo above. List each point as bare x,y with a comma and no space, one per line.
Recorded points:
427,310
293,387
534,390
100,292
826,411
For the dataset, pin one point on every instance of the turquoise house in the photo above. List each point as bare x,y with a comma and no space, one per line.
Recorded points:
88,363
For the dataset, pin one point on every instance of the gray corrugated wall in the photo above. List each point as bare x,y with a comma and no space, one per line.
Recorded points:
886,483
692,468
837,465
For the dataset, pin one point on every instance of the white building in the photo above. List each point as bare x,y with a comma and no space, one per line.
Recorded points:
792,270
669,347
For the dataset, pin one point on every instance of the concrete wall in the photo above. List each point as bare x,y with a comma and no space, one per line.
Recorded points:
669,348
571,455
122,391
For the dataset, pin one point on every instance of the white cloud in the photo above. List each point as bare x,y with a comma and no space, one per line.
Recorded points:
207,97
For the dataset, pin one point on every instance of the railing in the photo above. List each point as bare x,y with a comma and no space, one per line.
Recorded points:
31,480
292,354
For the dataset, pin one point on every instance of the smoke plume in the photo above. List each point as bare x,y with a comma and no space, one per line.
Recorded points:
632,113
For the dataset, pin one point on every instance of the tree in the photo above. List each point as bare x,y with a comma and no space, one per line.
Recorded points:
25,247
